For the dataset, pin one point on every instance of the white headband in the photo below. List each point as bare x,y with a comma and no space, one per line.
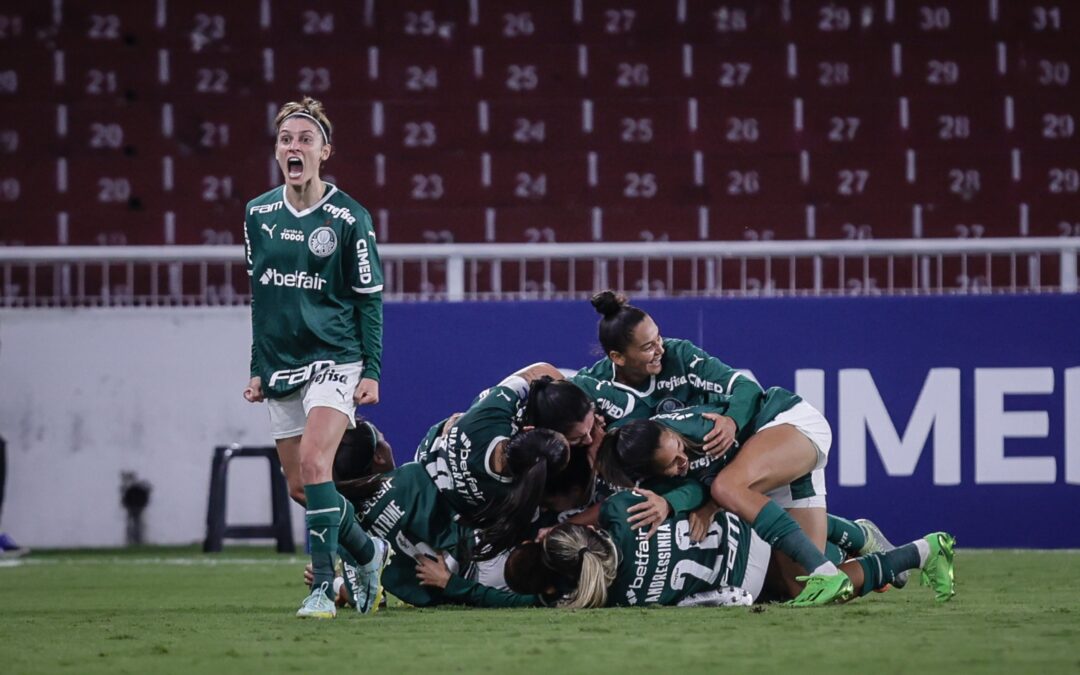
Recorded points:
326,136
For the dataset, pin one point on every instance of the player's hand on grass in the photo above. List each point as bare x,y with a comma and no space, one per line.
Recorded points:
367,392
432,571
253,391
650,513
722,436
701,520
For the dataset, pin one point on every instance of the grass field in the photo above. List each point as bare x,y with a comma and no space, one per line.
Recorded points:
176,610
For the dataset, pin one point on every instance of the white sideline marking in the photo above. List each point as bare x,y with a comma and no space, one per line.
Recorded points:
183,562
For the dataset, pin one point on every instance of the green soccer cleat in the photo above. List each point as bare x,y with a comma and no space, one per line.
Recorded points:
876,542
317,605
823,589
937,573
363,583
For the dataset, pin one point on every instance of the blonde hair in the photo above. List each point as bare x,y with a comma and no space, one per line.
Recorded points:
308,107
590,556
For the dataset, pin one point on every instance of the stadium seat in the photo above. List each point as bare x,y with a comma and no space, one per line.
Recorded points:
758,180
113,73
652,222
956,177
744,127
836,22
637,71
731,22
989,216
420,72
964,123
417,22
533,71
445,180
938,22
839,124
648,124
104,226
317,23
28,25
1042,67
420,225
757,220
1046,218
1038,21
866,219
106,129
201,128
1042,121
943,68
539,224
557,124
840,69
742,71
532,178
219,179
1049,176
207,26
627,178
418,127
526,22
622,22
23,226
192,222
858,177
113,22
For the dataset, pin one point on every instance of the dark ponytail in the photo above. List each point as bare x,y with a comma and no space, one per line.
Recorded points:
556,405
627,454
532,457
619,319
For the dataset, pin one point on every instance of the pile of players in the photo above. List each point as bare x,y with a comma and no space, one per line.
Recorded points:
658,476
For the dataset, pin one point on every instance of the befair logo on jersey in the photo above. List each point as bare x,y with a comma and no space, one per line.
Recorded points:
322,242
301,279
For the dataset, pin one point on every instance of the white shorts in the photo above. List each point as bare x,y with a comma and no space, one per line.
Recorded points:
331,387
757,565
807,491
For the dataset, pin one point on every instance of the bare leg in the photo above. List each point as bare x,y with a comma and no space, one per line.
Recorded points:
771,458
288,451
319,444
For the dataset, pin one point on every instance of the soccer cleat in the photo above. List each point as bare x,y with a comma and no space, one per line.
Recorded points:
318,605
876,542
725,596
363,583
8,547
823,589
937,573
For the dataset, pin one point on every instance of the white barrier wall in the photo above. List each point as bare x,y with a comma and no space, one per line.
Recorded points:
87,394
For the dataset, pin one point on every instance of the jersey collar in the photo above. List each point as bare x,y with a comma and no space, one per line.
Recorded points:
647,392
330,190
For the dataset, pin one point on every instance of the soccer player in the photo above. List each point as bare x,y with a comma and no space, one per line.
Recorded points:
614,565
316,318
788,451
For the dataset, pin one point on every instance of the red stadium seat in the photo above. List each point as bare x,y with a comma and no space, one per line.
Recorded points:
1043,68
858,177
30,132
626,178
653,222
417,22
1051,177
446,180
106,129
288,71
102,225
421,127
201,222
946,68
1042,122
731,22
862,220
842,69
111,186
28,25
742,71
626,21
744,127
532,71
746,180
531,178
407,225
112,22
534,224
427,72
954,177
1046,218
318,23
523,125
112,73
843,124
207,26
650,71
219,179
526,22
938,22
1039,21
953,122
200,128
756,221
21,225
990,216
649,124
831,22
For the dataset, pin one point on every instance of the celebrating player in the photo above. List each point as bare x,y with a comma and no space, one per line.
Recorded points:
316,317
782,458
614,565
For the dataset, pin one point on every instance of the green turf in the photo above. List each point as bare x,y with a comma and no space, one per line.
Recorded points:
175,610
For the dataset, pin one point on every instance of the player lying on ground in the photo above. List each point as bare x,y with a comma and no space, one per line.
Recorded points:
614,565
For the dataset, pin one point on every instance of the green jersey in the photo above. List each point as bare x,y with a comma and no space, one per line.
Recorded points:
459,462
408,512
688,377
316,288
668,567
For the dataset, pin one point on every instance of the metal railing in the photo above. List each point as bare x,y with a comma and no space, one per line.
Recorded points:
67,276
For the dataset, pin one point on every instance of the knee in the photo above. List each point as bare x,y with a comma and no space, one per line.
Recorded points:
314,469
725,493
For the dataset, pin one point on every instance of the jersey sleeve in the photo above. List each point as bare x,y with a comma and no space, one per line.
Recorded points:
742,392
474,594
250,265
366,280
683,495
613,403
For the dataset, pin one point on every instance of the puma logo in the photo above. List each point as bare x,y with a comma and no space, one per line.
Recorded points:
270,229
320,535
696,360
344,394
503,394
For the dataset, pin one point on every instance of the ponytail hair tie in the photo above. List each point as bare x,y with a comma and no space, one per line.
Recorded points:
581,554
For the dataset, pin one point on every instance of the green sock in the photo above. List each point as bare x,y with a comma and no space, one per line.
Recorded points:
834,553
323,519
779,529
846,534
352,537
881,568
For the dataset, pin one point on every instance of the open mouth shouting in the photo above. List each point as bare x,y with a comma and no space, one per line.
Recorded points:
294,167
